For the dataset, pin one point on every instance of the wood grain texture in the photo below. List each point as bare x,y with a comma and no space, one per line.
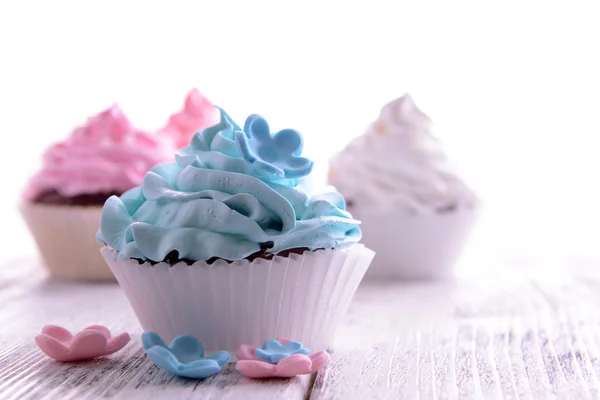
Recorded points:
527,337
129,374
25,373
533,334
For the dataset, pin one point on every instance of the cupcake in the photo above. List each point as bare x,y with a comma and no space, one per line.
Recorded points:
416,212
225,245
197,113
63,201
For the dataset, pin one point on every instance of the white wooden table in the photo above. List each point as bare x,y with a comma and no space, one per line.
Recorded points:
524,333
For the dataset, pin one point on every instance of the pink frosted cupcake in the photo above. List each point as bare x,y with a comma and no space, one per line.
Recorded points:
197,113
106,156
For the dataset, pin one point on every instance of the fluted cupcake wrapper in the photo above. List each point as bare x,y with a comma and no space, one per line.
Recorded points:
224,305
421,246
66,239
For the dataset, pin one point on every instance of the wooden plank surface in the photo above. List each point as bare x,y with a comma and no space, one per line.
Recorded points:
527,334
25,373
533,337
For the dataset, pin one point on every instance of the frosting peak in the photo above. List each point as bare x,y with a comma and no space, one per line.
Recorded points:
400,165
106,154
197,113
111,122
231,193
403,112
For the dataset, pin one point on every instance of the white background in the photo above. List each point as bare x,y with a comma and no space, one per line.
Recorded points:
512,87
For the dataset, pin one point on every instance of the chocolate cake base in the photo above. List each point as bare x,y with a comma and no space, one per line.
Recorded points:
52,197
173,257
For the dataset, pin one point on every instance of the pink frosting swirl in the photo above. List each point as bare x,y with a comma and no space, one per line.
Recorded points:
105,155
197,113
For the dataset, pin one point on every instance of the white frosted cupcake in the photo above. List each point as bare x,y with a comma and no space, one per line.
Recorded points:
225,245
416,212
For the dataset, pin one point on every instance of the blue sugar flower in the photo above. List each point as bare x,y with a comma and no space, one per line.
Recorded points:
273,351
184,356
272,156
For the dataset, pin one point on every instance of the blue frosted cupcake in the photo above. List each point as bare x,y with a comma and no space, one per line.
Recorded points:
224,244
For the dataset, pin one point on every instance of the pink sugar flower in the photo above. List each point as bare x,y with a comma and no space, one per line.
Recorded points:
94,341
251,366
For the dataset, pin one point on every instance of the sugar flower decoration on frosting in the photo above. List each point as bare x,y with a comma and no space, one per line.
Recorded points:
184,356
273,154
279,358
94,341
251,151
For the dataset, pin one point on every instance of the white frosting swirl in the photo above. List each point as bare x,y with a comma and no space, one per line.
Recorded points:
399,165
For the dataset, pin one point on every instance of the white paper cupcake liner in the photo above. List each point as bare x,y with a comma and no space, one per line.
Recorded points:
301,297
412,247
66,239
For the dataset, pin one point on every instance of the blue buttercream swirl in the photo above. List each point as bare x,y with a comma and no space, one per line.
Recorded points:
231,193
